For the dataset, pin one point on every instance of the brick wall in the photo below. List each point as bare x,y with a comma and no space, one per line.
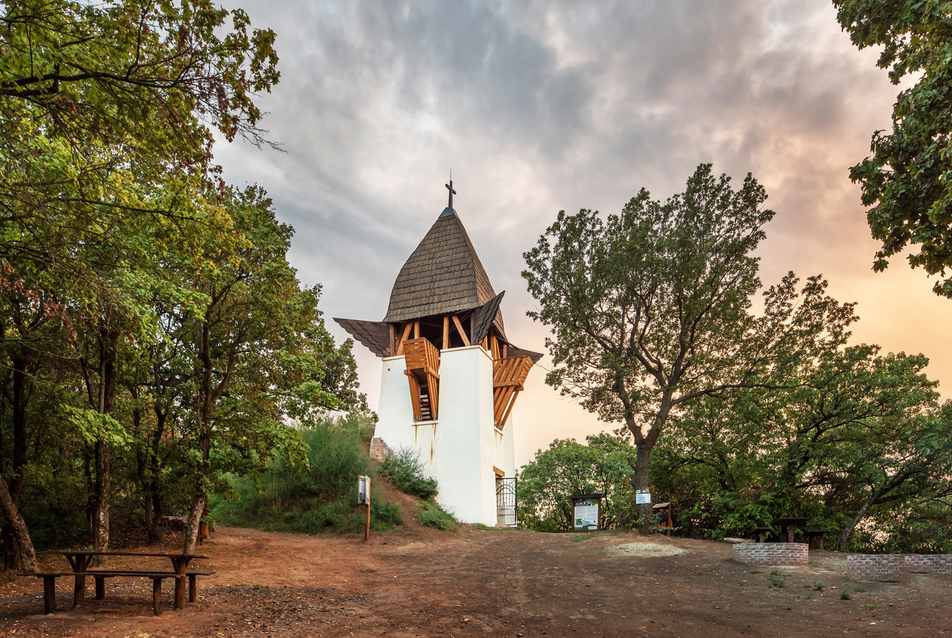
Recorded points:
874,567
773,554
379,450
938,564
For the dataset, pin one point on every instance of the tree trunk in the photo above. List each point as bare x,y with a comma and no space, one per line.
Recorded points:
200,499
103,489
845,534
18,528
641,481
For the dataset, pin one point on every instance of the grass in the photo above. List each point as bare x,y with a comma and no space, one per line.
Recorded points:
817,587
310,497
432,515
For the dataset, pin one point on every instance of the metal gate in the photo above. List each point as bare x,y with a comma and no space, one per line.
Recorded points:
506,492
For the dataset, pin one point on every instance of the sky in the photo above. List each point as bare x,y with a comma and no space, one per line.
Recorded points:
541,106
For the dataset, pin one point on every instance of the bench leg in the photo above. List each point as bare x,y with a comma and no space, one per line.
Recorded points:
100,587
180,591
79,592
157,596
49,594
191,588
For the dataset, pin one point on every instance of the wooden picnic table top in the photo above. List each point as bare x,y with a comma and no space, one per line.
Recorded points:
790,520
91,552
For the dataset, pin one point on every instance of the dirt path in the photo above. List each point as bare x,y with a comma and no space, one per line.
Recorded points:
419,582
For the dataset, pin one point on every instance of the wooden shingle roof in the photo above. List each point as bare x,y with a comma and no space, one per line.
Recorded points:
442,276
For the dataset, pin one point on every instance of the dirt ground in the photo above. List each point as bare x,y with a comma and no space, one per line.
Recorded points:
420,582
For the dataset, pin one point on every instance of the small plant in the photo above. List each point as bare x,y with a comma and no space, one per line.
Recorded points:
846,594
742,583
753,571
818,587
405,471
869,607
860,590
778,581
434,516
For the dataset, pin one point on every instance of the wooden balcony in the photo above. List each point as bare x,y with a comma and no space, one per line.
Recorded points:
423,373
508,376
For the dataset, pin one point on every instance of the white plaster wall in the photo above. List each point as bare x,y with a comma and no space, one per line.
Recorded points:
465,446
504,455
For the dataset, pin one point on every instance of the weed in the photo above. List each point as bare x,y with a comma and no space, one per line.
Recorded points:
753,571
743,582
860,590
817,587
869,607
809,596
778,581
846,594
485,528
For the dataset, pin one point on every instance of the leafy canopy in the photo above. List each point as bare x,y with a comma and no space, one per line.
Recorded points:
907,181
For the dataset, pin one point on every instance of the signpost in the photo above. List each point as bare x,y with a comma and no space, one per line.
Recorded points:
585,511
363,497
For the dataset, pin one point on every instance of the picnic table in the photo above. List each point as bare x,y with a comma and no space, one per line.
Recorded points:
789,525
80,560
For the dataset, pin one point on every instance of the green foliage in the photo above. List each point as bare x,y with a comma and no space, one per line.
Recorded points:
650,308
432,515
312,496
906,180
568,467
405,471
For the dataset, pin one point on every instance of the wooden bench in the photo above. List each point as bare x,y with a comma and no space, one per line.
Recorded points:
100,576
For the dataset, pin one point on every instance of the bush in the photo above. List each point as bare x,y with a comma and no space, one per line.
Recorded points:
432,515
405,472
316,497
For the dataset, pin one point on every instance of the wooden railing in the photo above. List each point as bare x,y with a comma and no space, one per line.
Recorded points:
508,376
423,373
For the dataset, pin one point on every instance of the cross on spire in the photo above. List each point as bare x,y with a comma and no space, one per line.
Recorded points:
449,187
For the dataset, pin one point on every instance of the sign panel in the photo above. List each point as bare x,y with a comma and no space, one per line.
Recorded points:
642,496
363,490
586,514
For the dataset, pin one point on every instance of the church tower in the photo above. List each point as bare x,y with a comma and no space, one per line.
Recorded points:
450,376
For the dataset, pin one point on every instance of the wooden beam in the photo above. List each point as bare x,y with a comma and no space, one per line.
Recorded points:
416,329
406,334
459,328
393,339
446,332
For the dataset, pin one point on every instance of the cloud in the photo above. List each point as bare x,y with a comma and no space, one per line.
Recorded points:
545,105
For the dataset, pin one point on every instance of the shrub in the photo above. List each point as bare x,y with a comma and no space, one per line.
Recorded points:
405,471
311,498
434,516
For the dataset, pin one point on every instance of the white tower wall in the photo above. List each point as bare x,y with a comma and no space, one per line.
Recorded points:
460,449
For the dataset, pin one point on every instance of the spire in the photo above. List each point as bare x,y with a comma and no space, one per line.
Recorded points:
449,187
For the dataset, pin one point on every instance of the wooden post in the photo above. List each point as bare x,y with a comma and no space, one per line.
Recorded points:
367,523
157,596
49,594
446,332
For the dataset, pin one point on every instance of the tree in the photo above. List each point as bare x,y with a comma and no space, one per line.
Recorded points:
568,467
101,106
855,435
907,181
650,309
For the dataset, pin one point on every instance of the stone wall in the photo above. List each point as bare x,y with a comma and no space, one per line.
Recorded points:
773,554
